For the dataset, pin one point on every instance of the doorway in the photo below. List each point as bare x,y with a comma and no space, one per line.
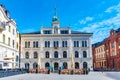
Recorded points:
56,66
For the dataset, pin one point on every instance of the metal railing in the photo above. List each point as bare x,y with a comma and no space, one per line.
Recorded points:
11,72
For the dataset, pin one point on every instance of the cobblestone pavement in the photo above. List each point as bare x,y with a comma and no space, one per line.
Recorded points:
55,76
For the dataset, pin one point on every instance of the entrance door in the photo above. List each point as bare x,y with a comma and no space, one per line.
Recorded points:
56,66
26,65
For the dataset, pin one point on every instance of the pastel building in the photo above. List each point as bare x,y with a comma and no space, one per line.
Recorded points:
9,41
56,47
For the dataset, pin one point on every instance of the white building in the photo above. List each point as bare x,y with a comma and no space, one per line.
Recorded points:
9,41
56,47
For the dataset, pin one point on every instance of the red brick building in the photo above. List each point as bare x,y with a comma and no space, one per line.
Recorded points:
111,53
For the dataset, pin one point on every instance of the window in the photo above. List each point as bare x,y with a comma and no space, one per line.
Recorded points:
112,45
84,54
35,65
35,44
5,64
35,55
27,65
47,43
64,43
56,44
12,54
76,54
8,41
17,58
76,65
55,54
64,32
47,65
47,32
27,55
119,42
13,31
17,46
64,54
85,65
3,38
76,43
56,30
47,54
13,44
27,44
84,43
65,65
9,28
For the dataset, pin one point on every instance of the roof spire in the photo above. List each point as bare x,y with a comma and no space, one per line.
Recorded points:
55,11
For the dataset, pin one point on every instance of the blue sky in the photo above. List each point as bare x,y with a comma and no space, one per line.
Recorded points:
95,16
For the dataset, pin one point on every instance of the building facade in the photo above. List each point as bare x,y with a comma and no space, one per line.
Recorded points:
99,57
9,41
56,47
111,51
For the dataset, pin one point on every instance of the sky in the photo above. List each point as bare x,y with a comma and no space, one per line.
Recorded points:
93,16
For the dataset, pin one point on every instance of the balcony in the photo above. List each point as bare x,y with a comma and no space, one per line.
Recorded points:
8,58
2,26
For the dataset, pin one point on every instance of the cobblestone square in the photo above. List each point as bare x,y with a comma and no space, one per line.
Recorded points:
55,76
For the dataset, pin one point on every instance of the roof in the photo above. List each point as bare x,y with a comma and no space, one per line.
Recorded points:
118,30
98,44
36,32
72,32
78,32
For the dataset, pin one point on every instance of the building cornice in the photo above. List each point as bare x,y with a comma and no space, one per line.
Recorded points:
55,35
6,17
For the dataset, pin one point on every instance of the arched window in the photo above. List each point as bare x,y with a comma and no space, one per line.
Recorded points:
47,65
55,54
76,54
65,65
76,65
27,65
84,54
35,65
27,55
64,54
47,54
85,66
17,58
35,55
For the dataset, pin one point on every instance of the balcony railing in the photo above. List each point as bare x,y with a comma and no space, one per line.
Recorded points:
2,26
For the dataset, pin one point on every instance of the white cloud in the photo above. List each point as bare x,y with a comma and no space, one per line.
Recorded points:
87,19
113,8
101,29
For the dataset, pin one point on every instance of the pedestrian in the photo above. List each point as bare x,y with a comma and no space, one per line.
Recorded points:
59,70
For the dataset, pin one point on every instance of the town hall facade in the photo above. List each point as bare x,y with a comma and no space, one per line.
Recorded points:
56,47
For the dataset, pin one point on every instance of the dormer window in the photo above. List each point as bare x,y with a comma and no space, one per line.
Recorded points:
64,32
55,30
47,32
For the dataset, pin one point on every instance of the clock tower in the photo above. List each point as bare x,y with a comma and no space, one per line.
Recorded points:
55,23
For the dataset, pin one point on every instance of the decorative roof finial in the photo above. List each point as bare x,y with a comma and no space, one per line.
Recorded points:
55,9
